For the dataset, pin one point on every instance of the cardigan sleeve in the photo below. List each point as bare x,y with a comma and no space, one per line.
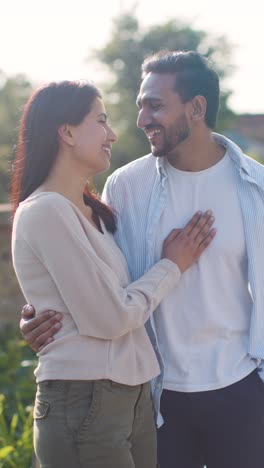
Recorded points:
89,288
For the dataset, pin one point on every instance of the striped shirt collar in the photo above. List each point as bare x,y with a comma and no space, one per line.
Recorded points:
234,151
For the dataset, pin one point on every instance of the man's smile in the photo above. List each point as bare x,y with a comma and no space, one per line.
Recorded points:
151,133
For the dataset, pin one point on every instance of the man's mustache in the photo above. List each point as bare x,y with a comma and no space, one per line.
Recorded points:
151,127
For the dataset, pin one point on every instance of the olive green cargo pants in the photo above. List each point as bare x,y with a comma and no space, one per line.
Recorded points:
94,424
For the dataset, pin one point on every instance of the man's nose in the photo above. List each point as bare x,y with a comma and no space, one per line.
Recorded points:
144,119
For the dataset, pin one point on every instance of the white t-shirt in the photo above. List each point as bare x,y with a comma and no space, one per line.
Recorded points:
203,327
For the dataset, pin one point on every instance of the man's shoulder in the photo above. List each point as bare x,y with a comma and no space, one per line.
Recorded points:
256,169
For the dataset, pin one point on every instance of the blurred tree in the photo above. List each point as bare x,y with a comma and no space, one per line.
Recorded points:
14,92
123,56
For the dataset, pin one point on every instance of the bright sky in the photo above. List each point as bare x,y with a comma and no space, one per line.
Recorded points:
50,39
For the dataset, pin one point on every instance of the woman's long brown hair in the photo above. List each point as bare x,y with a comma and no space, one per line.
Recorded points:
48,108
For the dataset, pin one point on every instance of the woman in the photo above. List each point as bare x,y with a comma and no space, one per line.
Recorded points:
93,405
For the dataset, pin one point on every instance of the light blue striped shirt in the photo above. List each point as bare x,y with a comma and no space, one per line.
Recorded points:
137,192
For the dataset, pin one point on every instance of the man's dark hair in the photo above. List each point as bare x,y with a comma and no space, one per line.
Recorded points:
194,76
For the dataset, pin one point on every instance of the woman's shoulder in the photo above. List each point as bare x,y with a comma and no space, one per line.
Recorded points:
40,202
43,199
43,209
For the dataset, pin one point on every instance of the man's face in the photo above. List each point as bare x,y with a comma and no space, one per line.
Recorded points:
162,115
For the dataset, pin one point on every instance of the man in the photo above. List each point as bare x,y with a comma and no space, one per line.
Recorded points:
209,334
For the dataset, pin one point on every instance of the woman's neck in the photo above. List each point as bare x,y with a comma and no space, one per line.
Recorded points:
69,182
67,178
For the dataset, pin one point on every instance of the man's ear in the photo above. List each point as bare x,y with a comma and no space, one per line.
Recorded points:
198,108
65,134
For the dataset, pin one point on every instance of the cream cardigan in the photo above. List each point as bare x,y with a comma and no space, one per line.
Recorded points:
64,263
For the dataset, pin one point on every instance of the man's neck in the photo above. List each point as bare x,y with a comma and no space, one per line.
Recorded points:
197,153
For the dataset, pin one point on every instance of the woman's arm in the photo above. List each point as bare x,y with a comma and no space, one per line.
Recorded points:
90,289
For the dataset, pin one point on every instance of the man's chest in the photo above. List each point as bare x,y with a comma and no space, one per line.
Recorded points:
222,197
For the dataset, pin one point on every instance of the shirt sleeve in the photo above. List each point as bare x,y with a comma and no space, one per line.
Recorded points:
90,289
106,194
108,197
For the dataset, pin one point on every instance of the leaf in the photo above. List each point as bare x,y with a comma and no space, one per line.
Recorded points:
4,452
13,424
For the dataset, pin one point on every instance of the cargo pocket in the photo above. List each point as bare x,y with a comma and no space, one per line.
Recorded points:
41,409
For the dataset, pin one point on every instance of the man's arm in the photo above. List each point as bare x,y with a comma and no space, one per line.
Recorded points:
39,331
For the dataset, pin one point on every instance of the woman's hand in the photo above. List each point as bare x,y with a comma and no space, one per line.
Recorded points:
184,246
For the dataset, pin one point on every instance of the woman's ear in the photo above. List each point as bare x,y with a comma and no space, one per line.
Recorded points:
65,134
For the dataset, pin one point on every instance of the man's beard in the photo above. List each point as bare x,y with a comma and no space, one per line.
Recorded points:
178,134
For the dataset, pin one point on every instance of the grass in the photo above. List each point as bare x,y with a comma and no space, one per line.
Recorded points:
16,400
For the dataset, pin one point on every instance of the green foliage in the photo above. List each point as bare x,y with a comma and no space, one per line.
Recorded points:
255,156
14,92
16,399
11,298
15,438
123,56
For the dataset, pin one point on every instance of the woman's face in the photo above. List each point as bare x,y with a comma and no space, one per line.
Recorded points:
93,139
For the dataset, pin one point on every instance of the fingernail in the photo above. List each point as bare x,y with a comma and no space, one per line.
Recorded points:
199,213
209,212
58,316
52,313
57,325
49,340
29,308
